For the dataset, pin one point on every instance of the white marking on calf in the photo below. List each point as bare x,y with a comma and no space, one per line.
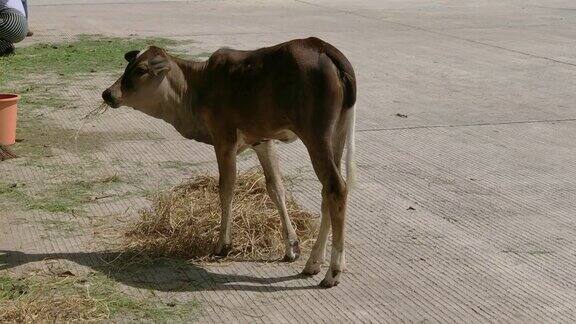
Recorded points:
142,52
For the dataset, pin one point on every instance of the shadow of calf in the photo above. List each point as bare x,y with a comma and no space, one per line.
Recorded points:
162,274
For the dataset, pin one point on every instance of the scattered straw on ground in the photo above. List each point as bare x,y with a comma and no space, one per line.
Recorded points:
33,301
68,298
185,221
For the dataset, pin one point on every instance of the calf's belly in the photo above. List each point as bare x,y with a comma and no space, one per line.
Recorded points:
247,139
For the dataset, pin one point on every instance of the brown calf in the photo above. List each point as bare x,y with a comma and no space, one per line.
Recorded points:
303,88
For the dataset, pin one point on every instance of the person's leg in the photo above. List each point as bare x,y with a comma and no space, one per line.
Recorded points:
25,5
13,29
6,48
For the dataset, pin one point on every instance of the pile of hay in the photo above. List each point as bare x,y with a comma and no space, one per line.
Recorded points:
185,222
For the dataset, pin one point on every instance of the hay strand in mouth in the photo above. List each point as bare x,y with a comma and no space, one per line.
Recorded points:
185,222
96,112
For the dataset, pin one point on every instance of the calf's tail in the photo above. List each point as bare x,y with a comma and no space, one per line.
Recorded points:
350,148
348,79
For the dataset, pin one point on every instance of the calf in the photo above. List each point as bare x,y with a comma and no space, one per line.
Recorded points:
303,88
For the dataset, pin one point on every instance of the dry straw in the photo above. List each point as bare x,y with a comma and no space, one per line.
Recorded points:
185,222
92,114
36,299
65,298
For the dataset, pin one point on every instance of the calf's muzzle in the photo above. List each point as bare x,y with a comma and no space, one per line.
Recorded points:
110,99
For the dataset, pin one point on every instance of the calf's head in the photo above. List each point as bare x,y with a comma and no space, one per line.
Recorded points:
143,85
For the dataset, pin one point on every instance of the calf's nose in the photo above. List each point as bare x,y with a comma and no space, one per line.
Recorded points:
107,96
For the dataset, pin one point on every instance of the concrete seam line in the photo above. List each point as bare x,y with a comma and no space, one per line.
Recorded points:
467,125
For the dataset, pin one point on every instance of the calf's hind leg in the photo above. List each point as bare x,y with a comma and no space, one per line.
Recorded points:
334,194
268,159
318,253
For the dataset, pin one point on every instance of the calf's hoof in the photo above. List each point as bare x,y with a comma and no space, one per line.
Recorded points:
292,252
223,250
290,258
309,273
311,269
332,279
329,283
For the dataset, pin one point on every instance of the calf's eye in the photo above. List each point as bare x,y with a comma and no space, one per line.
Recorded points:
140,71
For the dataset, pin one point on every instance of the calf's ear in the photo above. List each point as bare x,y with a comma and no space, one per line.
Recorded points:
159,64
130,56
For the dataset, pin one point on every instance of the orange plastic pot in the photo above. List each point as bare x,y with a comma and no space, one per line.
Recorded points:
8,112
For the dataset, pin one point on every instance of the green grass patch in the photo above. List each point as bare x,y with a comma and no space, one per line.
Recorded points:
59,226
87,54
82,298
111,179
40,73
64,197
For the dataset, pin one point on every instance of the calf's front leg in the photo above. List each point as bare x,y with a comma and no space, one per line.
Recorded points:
269,160
226,156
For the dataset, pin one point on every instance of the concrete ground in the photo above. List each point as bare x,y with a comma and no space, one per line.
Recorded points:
465,208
